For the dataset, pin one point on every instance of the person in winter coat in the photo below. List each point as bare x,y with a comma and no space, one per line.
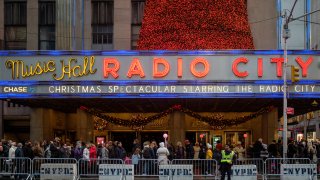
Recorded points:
18,162
257,148
163,154
78,150
120,151
189,149
196,149
179,154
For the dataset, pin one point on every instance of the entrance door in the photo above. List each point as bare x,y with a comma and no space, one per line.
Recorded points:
197,136
152,136
126,139
233,137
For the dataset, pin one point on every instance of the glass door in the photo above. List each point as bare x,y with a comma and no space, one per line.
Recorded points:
233,137
197,136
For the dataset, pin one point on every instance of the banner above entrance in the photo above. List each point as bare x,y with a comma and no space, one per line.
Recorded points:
233,73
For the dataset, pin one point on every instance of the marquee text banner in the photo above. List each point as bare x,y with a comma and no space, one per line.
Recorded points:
247,67
156,74
156,89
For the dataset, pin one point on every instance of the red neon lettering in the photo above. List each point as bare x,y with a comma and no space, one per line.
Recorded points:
112,70
197,73
135,68
164,72
235,67
260,67
304,65
180,67
279,62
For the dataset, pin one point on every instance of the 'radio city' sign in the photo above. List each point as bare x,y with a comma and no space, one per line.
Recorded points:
98,67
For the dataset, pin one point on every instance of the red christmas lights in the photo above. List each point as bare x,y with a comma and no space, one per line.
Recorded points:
195,25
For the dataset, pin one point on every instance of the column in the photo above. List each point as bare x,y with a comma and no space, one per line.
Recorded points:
177,127
269,126
64,16
1,24
122,24
32,25
87,25
36,124
84,126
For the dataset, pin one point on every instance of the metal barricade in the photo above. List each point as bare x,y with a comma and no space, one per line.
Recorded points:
146,167
53,166
207,168
253,161
318,168
272,166
17,168
91,169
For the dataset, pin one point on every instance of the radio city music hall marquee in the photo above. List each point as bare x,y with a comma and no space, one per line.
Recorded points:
104,75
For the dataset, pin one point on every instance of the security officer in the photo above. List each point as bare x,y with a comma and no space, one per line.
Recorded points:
227,158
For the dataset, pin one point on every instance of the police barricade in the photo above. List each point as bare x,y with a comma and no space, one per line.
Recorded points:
146,167
95,168
298,171
207,168
318,168
274,168
15,168
248,168
54,168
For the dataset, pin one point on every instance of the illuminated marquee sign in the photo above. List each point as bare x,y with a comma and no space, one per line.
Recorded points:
135,73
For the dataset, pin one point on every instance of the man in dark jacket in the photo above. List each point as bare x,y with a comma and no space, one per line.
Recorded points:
257,148
189,149
19,161
273,149
27,150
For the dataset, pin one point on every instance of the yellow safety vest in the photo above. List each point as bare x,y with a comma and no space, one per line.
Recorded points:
226,158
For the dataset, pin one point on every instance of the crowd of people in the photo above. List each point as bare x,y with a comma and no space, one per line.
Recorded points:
182,150
161,153
153,150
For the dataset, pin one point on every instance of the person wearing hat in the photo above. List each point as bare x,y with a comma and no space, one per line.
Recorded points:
239,150
226,162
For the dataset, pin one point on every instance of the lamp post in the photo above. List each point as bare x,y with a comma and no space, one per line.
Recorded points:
286,35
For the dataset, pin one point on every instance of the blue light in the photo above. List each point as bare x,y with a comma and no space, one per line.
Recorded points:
119,53
157,53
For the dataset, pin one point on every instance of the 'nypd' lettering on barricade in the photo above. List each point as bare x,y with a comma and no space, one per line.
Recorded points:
58,171
244,172
299,171
116,171
176,172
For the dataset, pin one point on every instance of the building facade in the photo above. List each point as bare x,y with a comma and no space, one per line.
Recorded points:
114,25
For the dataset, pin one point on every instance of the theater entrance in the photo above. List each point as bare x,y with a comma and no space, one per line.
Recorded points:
126,138
197,136
152,136
233,137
